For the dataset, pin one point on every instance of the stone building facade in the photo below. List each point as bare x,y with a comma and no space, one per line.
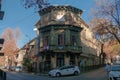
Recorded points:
91,47
27,51
64,39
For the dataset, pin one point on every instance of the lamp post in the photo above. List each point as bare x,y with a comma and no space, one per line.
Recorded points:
38,39
38,51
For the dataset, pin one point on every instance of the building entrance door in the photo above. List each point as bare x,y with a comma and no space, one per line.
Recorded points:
60,60
72,59
47,64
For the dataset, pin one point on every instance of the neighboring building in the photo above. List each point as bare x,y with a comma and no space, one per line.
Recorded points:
65,39
91,47
27,51
19,57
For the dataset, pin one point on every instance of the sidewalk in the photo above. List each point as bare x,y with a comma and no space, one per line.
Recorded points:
91,73
100,72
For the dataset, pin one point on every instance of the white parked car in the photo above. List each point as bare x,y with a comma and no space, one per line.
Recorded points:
114,74
18,69
65,70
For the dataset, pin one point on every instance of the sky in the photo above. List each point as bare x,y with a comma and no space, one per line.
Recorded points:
16,16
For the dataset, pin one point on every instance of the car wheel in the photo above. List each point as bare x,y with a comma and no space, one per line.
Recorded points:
115,78
75,73
58,74
110,78
49,75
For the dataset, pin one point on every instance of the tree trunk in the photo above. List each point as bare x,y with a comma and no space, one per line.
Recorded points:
117,38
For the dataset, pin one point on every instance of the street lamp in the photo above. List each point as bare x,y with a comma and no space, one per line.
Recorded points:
38,49
38,40
35,29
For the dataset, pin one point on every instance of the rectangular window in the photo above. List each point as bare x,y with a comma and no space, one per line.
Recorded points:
73,40
60,39
46,41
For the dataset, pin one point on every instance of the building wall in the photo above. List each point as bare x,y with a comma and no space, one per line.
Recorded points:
90,45
19,59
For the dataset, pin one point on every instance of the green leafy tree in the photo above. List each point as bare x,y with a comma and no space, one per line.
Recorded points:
27,64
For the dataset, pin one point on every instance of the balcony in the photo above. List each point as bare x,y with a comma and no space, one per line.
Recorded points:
64,48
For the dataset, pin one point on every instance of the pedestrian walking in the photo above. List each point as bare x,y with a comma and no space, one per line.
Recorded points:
108,68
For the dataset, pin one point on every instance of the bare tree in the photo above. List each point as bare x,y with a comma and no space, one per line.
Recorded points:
112,47
10,46
104,29
107,17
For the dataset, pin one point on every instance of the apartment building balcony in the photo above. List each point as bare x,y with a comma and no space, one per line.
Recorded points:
63,48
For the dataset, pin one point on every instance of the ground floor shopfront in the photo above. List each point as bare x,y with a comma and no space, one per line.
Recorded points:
50,61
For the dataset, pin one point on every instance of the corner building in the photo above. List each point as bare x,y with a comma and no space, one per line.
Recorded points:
59,33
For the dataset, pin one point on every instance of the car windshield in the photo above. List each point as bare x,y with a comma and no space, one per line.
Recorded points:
115,68
18,67
65,67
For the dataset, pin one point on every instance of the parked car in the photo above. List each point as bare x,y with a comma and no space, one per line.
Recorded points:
18,69
2,67
65,70
12,68
114,74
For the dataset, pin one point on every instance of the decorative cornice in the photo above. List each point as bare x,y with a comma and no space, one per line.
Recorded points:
60,7
58,26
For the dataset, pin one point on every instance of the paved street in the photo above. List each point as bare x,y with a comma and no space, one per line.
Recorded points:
98,74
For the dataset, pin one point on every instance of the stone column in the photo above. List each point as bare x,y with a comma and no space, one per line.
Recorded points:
67,60
53,62
79,39
52,36
76,60
37,67
67,38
